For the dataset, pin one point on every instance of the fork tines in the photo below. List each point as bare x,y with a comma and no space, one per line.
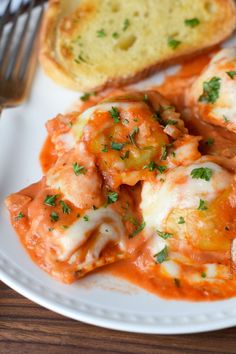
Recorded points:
16,43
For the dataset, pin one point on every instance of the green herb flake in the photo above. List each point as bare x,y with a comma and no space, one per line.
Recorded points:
125,156
171,122
65,207
138,229
85,97
115,114
173,43
117,146
167,108
226,119
126,24
105,149
177,282
192,22
115,35
202,173
211,90
203,275
101,33
112,197
161,256
78,169
181,220
133,134
210,141
151,166
86,218
164,153
202,205
19,216
145,98
80,59
161,169
164,235
231,74
54,216
50,200
125,121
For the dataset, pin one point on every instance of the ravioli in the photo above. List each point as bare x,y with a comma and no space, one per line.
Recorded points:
213,92
191,218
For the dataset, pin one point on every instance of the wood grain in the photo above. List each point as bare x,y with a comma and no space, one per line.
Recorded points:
29,328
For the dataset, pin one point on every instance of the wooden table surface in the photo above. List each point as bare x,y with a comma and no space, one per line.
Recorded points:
29,328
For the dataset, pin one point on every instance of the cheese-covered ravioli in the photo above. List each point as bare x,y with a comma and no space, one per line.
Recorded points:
68,241
77,177
190,216
129,132
213,92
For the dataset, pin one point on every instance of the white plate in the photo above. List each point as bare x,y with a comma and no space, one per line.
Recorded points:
97,299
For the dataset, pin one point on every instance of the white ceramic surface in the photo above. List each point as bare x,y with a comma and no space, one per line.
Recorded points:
97,299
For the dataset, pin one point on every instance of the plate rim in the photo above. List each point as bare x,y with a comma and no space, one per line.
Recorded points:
18,285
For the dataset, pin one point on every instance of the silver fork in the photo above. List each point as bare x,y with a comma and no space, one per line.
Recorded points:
17,60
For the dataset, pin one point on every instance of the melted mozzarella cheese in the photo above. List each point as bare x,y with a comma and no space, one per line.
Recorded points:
109,228
84,117
225,105
180,190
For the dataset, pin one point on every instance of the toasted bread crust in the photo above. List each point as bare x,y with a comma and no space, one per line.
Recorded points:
60,75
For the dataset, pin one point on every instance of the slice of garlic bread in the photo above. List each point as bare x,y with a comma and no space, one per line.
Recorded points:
93,44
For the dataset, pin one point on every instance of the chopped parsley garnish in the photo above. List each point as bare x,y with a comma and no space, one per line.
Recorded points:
231,74
101,33
177,282
164,152
105,149
202,205
211,90
161,169
133,134
226,119
210,141
145,98
78,169
125,156
85,97
20,216
80,58
181,220
117,146
173,43
50,200
115,35
138,229
112,197
202,173
126,24
54,216
203,275
115,114
164,235
151,166
86,218
162,255
65,208
171,122
192,22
